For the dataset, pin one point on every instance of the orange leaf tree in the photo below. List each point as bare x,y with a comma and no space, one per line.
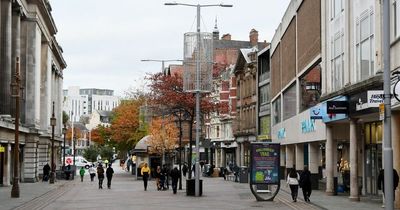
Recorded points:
100,134
125,130
164,136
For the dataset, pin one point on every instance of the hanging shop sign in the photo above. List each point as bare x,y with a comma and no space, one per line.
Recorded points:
265,160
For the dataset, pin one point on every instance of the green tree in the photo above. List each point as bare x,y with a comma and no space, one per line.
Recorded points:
91,153
106,152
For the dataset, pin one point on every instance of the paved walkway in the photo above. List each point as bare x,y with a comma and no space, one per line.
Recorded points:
128,193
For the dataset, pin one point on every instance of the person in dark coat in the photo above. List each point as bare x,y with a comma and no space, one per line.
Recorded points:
175,175
46,172
100,175
184,169
305,183
109,174
381,180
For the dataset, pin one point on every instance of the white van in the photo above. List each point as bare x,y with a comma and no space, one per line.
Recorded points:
80,161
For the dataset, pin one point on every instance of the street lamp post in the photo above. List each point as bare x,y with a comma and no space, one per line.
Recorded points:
15,93
64,131
198,6
53,122
74,150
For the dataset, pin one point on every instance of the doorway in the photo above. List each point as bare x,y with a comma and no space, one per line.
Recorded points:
373,156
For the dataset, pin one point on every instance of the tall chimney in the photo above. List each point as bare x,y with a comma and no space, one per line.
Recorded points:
253,37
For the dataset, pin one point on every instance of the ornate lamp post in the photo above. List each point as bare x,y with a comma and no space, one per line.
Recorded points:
15,93
53,122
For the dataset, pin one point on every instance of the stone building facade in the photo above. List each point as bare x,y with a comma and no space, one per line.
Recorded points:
27,31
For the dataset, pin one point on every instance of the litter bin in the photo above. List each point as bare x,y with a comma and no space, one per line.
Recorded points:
335,186
244,175
190,185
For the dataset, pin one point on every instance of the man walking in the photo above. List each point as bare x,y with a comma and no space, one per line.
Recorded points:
109,174
175,175
100,175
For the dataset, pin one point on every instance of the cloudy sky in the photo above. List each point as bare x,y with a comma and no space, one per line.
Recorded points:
104,41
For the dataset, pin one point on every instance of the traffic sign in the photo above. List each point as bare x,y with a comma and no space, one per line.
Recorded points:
68,160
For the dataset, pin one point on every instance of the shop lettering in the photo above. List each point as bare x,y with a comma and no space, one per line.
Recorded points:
376,98
281,133
308,126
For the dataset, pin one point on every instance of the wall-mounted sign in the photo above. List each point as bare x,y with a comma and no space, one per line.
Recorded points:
265,161
308,126
316,112
2,149
373,99
337,107
281,133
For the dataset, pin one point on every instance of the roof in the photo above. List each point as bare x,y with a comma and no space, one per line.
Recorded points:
142,144
104,113
223,44
80,126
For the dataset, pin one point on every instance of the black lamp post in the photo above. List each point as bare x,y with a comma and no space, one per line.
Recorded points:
15,93
74,150
64,131
53,122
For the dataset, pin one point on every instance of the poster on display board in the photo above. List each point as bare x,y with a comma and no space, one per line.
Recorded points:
265,162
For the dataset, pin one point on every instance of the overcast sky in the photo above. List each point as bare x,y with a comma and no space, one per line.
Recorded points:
104,41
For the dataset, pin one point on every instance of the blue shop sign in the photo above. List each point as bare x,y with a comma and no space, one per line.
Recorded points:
320,111
308,126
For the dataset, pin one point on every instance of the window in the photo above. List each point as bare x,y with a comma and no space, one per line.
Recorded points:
365,46
310,85
217,131
396,5
265,126
289,102
276,106
337,7
264,94
337,62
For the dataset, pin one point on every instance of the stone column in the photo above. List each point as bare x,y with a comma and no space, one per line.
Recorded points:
216,158
313,160
396,152
241,154
5,57
354,195
330,164
16,45
223,158
46,81
7,168
299,156
32,50
290,156
238,156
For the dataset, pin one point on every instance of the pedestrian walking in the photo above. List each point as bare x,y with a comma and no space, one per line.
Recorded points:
82,173
109,174
46,172
92,173
100,175
106,162
305,183
293,182
158,177
145,171
381,182
184,169
175,176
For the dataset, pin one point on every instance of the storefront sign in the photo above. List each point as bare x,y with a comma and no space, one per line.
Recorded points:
337,107
281,133
308,126
265,161
316,112
2,149
371,100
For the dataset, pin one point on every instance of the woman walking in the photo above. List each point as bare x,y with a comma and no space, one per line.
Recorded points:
293,182
92,172
305,183
109,174
100,175
145,171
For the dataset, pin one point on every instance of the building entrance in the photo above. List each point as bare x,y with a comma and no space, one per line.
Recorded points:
373,156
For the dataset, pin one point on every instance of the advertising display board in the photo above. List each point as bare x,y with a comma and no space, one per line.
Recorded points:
265,161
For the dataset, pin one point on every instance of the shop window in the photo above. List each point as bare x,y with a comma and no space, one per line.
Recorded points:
310,85
276,105
265,126
289,102
264,94
373,133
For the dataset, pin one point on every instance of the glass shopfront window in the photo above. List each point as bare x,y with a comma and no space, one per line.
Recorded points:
373,155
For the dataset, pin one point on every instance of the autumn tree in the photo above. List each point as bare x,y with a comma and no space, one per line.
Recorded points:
125,129
164,136
100,134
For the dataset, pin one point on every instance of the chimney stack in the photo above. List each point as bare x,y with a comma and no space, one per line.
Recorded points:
253,37
226,37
